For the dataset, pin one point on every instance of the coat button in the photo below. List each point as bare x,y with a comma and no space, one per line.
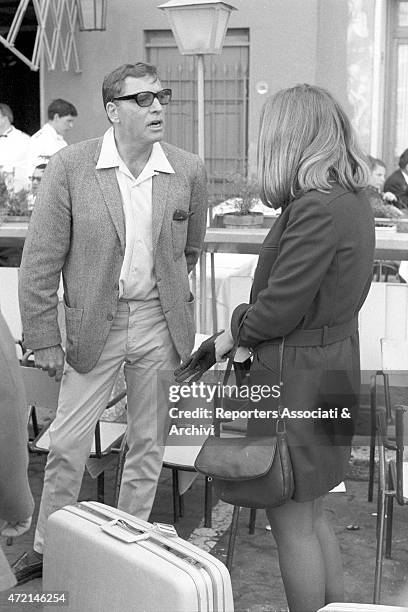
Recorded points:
110,317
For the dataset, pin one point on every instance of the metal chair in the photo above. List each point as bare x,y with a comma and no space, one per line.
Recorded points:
384,315
394,361
181,459
384,270
393,484
42,391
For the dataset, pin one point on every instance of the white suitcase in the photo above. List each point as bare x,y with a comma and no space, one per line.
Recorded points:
109,561
361,607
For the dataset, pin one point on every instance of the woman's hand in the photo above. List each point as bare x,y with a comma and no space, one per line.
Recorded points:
223,345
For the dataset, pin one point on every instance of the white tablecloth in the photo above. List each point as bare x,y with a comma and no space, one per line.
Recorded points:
233,279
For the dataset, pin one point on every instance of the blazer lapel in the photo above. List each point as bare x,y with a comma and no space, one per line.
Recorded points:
108,183
159,198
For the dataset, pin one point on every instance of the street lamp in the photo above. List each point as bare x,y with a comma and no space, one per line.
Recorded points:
91,14
199,27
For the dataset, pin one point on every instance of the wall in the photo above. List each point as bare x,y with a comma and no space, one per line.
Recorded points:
282,53
345,60
291,41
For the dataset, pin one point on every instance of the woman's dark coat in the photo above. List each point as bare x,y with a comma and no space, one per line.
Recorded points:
313,275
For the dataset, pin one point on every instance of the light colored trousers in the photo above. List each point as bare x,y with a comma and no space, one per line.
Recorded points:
139,337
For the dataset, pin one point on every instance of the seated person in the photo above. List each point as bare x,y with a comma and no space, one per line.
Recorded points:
397,182
35,184
383,204
383,207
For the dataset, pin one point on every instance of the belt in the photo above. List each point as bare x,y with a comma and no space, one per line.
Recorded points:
317,337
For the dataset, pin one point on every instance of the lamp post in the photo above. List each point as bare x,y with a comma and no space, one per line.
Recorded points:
199,27
91,14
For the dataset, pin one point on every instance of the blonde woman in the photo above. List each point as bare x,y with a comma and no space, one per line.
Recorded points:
312,277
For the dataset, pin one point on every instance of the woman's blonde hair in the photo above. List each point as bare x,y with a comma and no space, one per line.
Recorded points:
306,142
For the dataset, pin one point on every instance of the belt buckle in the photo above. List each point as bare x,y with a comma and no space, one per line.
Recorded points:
325,335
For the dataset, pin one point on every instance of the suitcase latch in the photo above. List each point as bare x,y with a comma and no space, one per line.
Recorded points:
166,530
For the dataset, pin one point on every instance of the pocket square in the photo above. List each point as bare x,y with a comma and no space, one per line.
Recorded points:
181,215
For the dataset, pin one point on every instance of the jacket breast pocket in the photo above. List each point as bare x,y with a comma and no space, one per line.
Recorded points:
73,321
179,237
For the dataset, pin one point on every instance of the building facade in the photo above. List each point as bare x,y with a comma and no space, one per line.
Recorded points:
357,49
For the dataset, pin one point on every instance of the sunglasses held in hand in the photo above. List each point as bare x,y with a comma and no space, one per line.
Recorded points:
146,98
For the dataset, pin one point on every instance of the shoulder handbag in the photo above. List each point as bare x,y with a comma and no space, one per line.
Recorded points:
252,472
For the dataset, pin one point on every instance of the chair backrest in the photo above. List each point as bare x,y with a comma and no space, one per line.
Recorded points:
384,315
384,270
9,305
394,355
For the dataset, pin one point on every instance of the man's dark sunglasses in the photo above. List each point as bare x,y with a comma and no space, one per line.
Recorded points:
146,98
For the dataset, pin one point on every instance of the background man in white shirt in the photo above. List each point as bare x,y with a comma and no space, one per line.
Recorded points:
50,138
123,218
14,150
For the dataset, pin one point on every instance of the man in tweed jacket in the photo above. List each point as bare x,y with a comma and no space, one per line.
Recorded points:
123,218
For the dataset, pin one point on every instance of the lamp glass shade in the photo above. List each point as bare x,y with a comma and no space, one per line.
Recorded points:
91,14
199,29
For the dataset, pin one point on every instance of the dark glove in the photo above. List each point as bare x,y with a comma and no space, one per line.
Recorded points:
199,362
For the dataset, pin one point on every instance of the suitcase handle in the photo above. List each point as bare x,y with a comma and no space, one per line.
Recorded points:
132,534
123,531
155,535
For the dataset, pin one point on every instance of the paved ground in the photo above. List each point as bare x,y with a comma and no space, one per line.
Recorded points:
256,579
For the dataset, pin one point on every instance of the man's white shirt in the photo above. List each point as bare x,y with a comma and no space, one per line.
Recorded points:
44,144
15,156
137,280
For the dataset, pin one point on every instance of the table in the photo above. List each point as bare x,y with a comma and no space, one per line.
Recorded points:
12,242
13,233
389,245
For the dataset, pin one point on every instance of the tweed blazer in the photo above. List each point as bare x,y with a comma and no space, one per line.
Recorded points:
78,228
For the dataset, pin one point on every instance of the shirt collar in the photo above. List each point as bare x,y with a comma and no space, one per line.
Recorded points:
110,158
405,175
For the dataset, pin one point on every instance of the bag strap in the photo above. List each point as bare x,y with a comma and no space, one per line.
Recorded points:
234,349
280,423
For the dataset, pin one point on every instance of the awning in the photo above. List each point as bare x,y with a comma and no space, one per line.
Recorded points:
55,24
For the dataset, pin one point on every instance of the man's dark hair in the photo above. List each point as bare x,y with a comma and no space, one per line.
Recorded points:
6,111
403,160
112,83
62,108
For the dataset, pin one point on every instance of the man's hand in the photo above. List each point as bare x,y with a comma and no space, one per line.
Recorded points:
51,359
12,529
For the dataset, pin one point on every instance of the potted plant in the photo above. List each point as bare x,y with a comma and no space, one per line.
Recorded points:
13,205
244,196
